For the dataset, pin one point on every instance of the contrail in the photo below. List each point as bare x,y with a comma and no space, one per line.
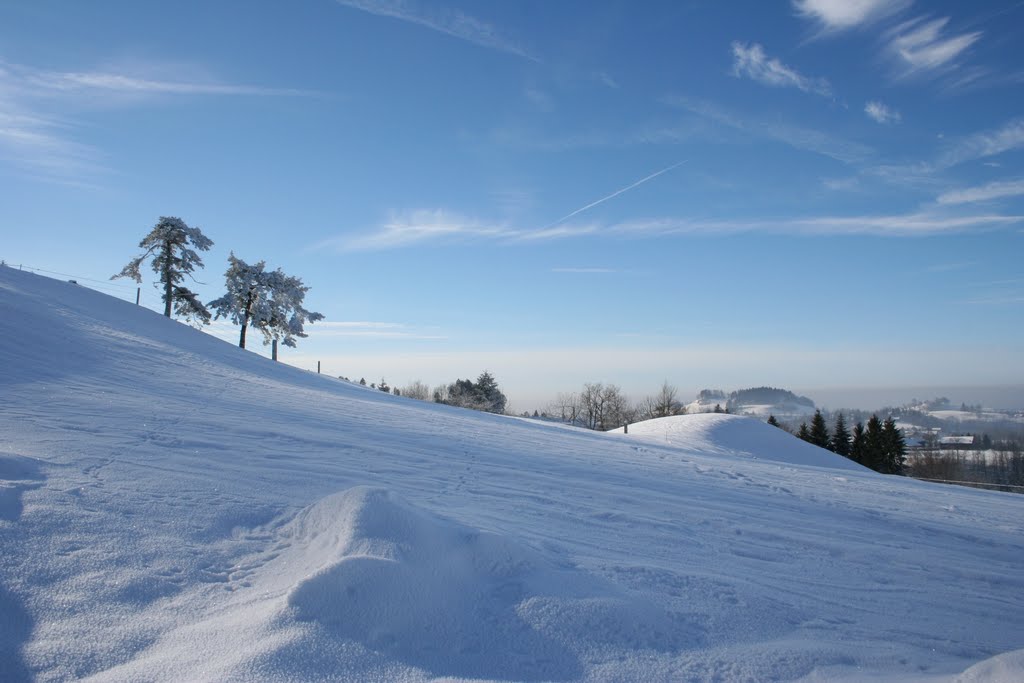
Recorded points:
614,194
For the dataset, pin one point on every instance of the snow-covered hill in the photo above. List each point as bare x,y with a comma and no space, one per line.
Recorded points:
734,436
174,508
759,402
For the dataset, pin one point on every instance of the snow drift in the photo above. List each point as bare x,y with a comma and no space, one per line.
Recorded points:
175,508
733,435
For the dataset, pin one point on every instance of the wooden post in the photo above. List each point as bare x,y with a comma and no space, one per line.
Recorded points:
318,367
138,294
273,350
625,429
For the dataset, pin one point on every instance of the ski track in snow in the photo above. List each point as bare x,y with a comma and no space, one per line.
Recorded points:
174,508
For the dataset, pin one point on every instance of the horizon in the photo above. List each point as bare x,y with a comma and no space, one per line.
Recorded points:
714,195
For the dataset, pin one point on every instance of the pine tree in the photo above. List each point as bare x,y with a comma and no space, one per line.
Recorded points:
772,421
804,433
172,246
895,448
874,445
490,396
858,448
841,437
819,430
269,301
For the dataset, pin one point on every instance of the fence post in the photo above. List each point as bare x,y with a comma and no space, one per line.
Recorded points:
138,293
318,367
273,350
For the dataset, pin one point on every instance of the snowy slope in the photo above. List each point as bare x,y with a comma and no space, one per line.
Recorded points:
736,436
174,508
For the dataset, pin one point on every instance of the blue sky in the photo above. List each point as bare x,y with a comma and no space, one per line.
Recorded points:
824,195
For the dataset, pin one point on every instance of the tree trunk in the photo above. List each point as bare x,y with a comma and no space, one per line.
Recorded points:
167,279
245,320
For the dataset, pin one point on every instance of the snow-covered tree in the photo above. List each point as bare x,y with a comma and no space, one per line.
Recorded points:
172,245
269,301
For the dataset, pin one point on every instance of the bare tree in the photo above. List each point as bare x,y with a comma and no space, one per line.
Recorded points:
604,407
417,390
567,407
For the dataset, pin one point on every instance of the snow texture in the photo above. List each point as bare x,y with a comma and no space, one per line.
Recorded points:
175,508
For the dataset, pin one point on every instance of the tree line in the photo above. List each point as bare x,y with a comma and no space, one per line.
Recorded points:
267,300
602,406
878,445
484,394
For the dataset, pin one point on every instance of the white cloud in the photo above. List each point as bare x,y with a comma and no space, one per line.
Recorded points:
984,144
975,147
920,45
122,83
839,15
805,139
420,227
881,113
895,225
996,190
406,228
37,113
448,21
751,61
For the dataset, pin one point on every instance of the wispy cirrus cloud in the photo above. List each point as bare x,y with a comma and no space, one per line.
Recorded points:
891,225
751,61
983,144
40,111
408,228
923,45
100,82
451,22
977,146
840,15
806,139
881,113
996,190
920,223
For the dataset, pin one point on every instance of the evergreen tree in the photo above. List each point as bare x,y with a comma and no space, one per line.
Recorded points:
804,432
489,394
874,445
269,301
895,448
819,430
858,447
718,408
172,245
483,395
383,386
772,421
841,437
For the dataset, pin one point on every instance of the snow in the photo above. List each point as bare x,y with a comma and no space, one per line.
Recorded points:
736,436
175,508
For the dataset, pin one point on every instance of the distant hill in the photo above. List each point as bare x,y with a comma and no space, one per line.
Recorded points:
758,401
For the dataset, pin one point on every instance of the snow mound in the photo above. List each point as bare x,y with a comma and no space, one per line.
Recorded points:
736,435
455,601
1005,668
